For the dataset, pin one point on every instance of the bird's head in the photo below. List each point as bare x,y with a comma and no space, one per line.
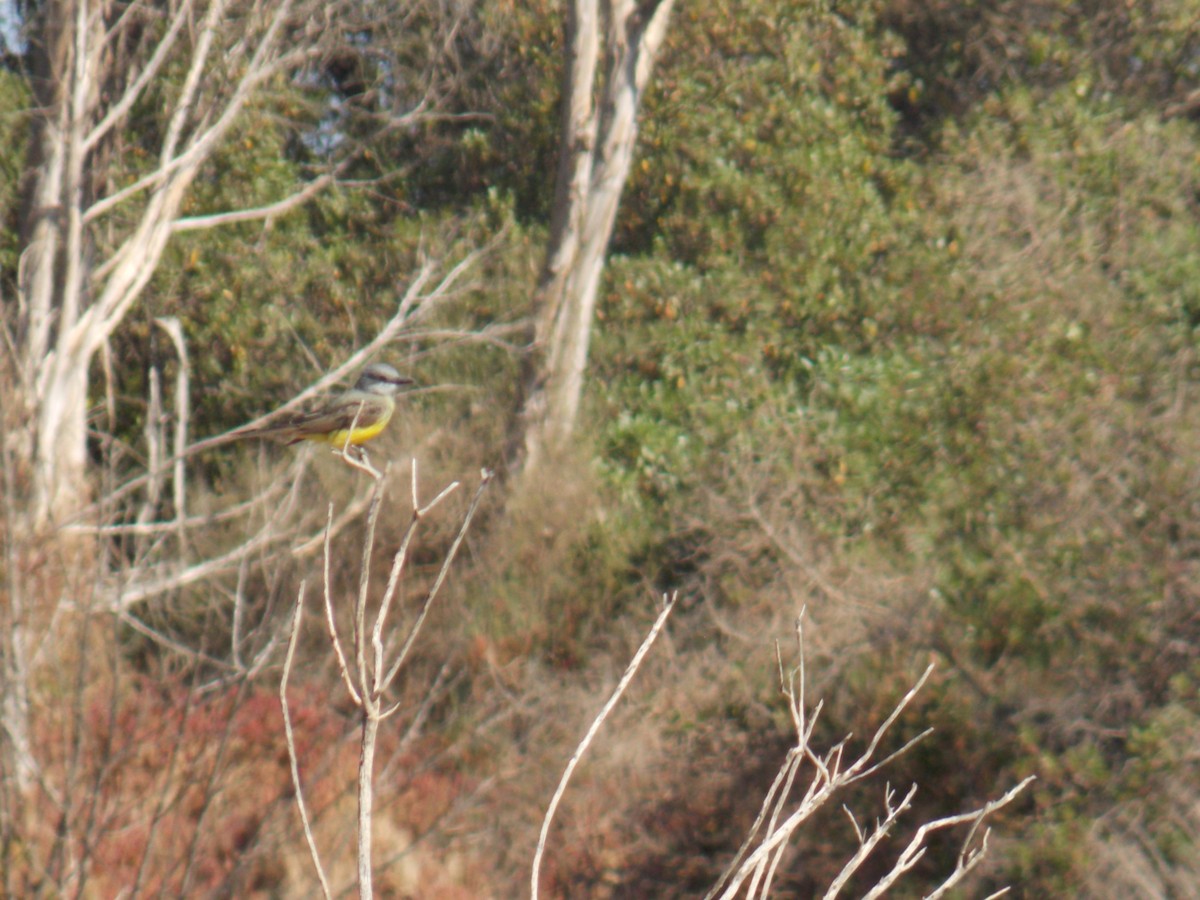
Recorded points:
380,378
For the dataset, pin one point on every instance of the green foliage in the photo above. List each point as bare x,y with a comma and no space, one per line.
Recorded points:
801,104
962,55
983,348
14,97
496,128
746,260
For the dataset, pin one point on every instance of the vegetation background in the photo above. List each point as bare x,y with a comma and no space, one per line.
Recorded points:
899,325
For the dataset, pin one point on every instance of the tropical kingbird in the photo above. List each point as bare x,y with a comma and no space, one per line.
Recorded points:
349,420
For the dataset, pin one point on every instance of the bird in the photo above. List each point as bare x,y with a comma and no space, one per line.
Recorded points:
346,421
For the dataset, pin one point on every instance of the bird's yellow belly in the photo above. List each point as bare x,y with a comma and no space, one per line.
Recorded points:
356,436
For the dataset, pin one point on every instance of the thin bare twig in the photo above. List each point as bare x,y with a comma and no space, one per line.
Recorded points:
331,619
969,857
360,601
867,843
279,207
630,671
291,742
485,479
393,581
760,864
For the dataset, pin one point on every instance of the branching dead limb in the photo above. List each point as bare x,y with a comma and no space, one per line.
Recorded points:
756,862
365,670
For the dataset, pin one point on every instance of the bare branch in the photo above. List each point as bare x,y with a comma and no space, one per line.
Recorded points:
856,770
128,595
791,763
360,601
758,865
869,842
608,707
162,51
331,620
970,857
485,479
191,83
174,329
162,640
291,743
279,207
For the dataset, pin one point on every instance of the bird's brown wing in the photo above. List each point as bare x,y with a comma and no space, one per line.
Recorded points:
322,420
361,412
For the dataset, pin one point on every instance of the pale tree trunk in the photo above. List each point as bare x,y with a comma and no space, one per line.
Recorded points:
72,293
595,155
17,767
65,79
82,269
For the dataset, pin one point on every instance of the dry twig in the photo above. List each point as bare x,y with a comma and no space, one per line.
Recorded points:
756,862
630,671
365,671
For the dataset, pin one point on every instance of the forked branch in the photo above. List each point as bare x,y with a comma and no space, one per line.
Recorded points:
756,862
366,671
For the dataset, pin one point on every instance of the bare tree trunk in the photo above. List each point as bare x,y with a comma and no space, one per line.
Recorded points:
51,284
595,156
82,269
52,181
89,72
17,768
